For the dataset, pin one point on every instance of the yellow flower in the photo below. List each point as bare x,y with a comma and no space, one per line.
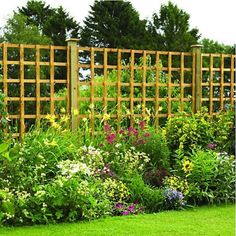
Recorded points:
55,125
51,118
160,108
187,166
106,117
64,118
63,110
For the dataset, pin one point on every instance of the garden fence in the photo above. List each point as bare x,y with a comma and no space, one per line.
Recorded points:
94,83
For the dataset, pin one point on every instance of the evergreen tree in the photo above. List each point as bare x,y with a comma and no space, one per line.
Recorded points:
54,23
114,24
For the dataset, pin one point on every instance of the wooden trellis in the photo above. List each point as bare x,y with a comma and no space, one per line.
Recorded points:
32,76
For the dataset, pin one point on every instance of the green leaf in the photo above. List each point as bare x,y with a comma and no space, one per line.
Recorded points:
4,147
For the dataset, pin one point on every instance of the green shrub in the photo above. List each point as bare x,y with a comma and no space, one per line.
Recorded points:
224,181
209,175
188,132
200,130
154,144
224,132
152,199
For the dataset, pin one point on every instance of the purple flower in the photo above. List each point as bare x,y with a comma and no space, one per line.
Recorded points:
131,207
136,201
125,213
211,145
119,206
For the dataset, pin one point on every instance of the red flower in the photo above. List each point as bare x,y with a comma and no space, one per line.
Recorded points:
142,124
111,138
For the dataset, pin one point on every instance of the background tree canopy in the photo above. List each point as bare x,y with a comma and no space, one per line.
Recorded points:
55,23
170,29
113,24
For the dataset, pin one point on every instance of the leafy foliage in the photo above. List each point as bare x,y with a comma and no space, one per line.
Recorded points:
18,31
54,23
170,29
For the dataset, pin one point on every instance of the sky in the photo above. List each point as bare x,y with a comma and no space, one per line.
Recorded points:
215,19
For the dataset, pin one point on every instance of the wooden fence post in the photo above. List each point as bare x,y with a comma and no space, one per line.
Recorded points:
73,78
198,76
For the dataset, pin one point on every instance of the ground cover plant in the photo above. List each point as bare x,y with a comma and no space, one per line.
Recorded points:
56,175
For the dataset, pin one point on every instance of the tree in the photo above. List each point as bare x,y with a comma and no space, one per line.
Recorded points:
170,29
54,23
114,24
17,30
211,46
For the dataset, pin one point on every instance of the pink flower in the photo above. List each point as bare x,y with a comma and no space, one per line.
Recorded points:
146,134
142,124
132,131
111,138
107,128
211,145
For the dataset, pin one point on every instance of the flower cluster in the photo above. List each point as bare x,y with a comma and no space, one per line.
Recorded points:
104,172
175,182
70,168
116,190
132,159
128,209
93,157
174,199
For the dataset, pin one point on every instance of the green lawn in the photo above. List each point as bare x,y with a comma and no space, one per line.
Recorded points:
214,220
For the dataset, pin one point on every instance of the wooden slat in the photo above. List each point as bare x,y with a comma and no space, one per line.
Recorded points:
222,82
37,85
232,85
194,81
169,82
52,107
211,86
105,94
22,91
132,87
181,82
92,121
118,109
144,85
5,74
157,91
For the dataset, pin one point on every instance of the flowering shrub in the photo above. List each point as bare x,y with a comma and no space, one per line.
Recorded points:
116,190
177,183
129,161
200,130
200,174
51,176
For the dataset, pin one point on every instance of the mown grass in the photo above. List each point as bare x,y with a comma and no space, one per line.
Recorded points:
207,220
